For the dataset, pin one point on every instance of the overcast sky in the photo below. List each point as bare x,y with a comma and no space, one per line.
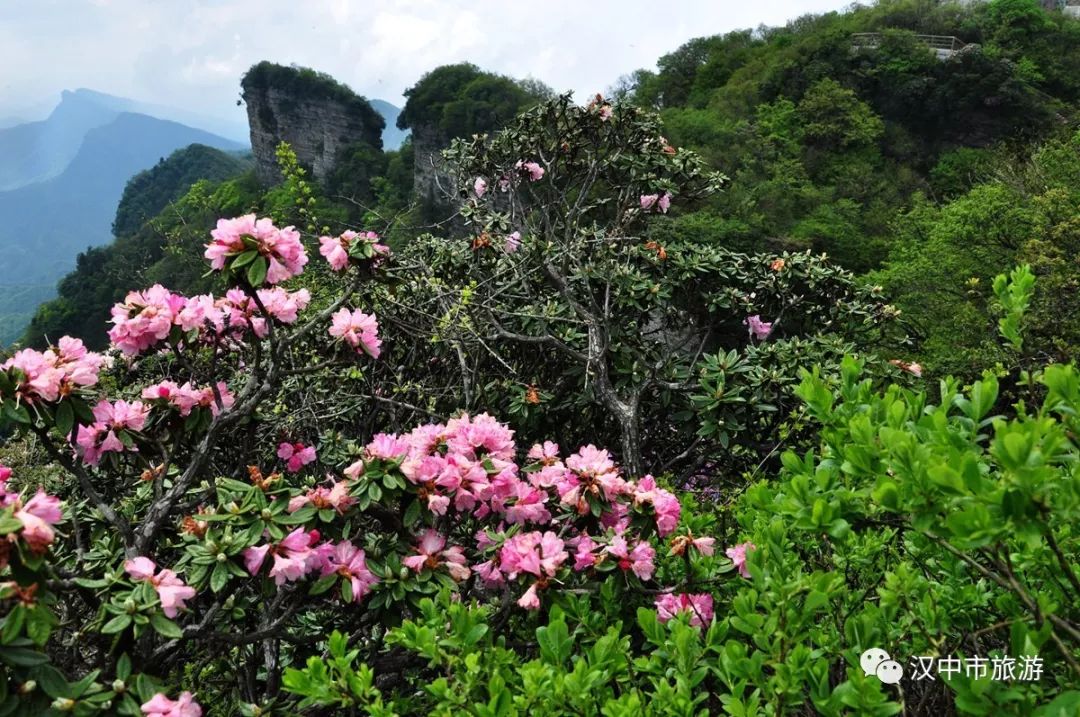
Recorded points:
191,53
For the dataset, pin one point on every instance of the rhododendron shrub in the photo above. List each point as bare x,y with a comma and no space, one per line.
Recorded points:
569,307
208,521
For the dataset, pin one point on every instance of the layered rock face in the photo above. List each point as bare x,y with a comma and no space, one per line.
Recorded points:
431,181
317,116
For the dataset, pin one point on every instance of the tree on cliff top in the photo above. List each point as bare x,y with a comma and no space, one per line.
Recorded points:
460,100
304,83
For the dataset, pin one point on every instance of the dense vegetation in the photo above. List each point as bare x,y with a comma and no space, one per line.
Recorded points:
460,100
795,308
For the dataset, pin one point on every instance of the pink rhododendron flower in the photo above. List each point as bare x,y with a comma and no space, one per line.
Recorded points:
293,556
513,241
705,546
38,516
639,560
700,607
336,497
480,186
140,568
583,552
171,590
539,554
489,573
659,202
738,556
387,447
914,369
186,398
479,436
161,706
605,112
110,420
348,561
530,600
358,330
336,249
55,373
430,554
530,169
664,503
254,557
282,248
759,329
296,455
546,453
144,319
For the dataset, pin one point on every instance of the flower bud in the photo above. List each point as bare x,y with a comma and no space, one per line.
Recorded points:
266,514
222,557
130,607
27,687
404,573
63,704
232,507
118,686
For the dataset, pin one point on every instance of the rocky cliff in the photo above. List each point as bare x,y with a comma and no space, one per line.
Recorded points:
318,116
431,181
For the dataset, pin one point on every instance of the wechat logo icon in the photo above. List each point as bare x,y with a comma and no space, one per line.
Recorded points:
877,662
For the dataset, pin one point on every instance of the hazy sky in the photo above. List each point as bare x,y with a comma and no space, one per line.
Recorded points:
191,53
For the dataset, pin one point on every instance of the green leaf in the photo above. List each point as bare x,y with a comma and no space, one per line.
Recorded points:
16,412
165,627
555,642
244,259
123,667
13,624
65,417
256,273
219,578
323,584
117,624
52,681
39,624
22,657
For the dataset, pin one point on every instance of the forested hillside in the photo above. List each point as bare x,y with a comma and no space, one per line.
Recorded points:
747,386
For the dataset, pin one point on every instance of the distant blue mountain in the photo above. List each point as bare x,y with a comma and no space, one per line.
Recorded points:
392,137
46,224
35,151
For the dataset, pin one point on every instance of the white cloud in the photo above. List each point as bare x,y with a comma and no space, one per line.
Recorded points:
192,52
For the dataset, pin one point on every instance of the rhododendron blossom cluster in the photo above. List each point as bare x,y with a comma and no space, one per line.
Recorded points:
759,329
466,469
145,318
738,557
171,589
187,398
37,515
659,202
50,375
282,248
296,455
698,607
112,420
349,244
358,330
531,170
161,706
